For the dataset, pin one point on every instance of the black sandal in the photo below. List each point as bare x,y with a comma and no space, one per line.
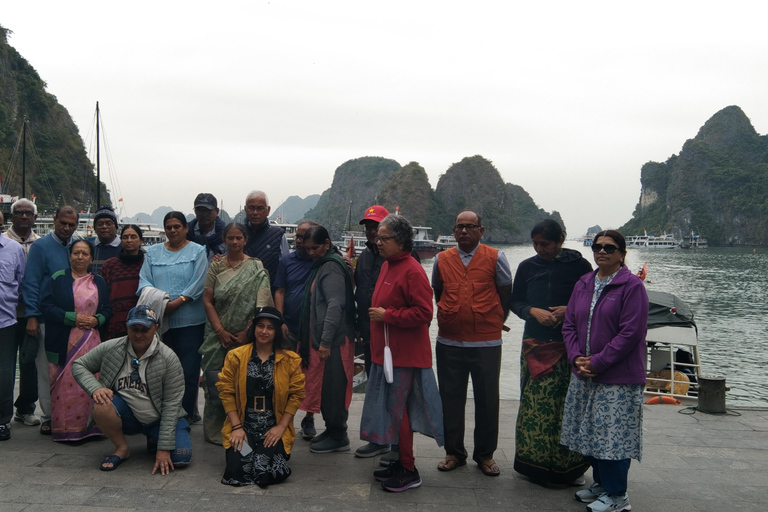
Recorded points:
45,428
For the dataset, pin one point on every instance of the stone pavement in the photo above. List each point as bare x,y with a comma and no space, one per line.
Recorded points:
694,462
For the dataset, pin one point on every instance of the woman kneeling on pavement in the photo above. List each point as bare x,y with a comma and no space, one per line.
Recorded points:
401,309
261,387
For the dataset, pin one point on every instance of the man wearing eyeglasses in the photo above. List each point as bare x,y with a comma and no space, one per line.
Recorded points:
266,242
47,256
139,391
107,244
206,228
472,284
23,216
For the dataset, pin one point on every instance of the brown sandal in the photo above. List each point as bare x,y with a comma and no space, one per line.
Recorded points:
489,467
450,463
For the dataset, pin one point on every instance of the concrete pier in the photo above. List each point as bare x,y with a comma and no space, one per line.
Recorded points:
691,462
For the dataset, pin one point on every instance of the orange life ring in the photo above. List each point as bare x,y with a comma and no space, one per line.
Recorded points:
664,399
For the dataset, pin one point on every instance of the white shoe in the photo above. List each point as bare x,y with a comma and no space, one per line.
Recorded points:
28,419
609,503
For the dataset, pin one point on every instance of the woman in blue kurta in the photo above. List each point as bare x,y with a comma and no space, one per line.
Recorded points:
178,267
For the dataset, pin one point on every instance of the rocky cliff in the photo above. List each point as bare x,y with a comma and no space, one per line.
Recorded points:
508,212
293,209
356,186
716,187
57,166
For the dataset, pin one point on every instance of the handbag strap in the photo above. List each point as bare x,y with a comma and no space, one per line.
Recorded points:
386,335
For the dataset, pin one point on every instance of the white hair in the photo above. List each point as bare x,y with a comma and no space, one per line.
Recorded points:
257,193
24,202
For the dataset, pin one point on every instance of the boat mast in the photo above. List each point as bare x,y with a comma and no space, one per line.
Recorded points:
98,161
24,158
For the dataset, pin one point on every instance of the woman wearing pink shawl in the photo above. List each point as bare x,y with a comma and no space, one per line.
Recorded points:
75,303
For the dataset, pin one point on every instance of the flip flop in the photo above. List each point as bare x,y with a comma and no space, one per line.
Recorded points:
450,463
45,428
115,460
489,467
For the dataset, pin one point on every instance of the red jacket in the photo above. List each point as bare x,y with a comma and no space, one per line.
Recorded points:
403,290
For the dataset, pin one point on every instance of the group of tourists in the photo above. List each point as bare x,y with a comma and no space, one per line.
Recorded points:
112,340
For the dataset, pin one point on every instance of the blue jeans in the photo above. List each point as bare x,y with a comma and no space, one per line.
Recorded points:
186,342
11,338
611,474
183,452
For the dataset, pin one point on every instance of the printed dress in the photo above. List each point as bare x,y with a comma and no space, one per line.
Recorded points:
262,466
603,421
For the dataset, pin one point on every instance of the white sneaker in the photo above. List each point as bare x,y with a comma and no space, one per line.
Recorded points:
28,419
590,494
609,503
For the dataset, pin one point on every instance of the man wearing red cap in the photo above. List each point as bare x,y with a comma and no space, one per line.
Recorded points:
366,274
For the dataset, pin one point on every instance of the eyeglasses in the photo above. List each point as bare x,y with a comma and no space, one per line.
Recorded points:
468,227
24,213
135,373
383,239
259,209
608,248
104,224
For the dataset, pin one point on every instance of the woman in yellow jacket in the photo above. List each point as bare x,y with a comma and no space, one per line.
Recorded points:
261,387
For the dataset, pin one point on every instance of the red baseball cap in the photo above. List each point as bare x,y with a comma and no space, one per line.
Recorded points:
375,213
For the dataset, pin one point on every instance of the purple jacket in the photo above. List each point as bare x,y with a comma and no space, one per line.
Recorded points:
619,324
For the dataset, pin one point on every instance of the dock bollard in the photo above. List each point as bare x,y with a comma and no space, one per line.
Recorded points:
712,394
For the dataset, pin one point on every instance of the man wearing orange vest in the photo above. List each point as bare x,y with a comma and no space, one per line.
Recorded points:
472,286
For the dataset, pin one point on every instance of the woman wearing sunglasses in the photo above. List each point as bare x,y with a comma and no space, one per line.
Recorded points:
604,333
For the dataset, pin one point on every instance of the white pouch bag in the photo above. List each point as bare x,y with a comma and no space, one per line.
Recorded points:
389,371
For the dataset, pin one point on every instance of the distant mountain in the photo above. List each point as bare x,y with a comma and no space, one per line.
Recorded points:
717,186
508,211
293,209
58,170
155,218
356,185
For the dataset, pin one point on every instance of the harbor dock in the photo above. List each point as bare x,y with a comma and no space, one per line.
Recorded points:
692,461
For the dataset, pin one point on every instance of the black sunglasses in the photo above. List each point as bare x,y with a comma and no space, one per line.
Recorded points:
135,373
608,248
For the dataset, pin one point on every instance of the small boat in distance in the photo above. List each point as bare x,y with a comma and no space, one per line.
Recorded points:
694,241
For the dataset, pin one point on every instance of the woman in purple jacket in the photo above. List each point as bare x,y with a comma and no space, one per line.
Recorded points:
604,333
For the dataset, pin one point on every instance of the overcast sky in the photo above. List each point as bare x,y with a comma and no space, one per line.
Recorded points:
567,99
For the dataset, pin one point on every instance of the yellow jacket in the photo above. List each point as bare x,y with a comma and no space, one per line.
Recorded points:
288,395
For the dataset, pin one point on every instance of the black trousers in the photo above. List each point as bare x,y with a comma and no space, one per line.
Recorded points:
333,396
454,366
11,338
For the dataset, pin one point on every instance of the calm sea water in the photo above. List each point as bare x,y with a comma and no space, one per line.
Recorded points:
725,287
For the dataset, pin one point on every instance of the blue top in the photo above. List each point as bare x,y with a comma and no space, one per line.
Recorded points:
179,273
292,274
47,256
13,261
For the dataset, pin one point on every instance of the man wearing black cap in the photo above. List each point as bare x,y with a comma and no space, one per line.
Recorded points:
139,390
206,228
107,244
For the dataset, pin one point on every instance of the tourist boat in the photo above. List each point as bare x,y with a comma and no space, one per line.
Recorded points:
636,241
423,244
672,345
694,241
358,241
445,242
289,230
661,242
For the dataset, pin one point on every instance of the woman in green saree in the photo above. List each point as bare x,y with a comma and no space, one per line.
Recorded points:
234,286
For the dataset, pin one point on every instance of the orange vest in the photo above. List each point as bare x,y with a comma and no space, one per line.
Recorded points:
470,307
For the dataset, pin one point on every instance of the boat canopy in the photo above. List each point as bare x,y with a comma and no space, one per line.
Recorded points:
668,309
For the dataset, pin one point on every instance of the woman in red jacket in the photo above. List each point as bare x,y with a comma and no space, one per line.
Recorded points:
401,310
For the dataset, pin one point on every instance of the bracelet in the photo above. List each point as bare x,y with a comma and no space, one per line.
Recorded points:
219,330
237,427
